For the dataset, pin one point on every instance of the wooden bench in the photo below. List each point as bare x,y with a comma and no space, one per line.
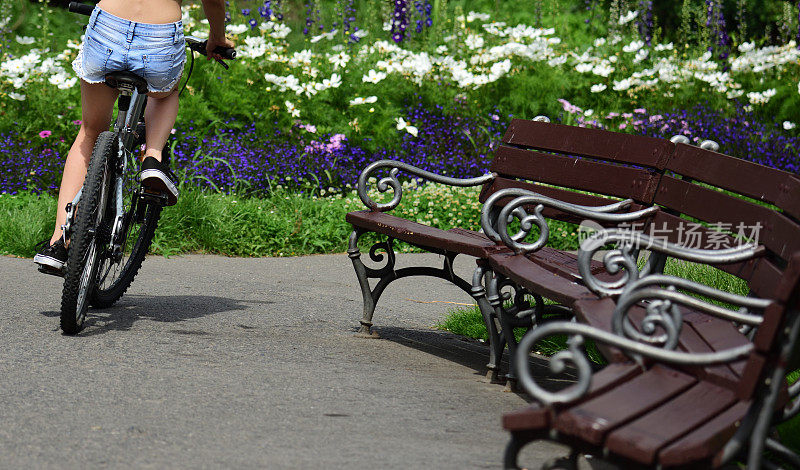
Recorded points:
706,384
622,171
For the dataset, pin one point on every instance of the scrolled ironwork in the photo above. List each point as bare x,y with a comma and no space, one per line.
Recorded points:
393,183
630,242
576,355
662,323
496,226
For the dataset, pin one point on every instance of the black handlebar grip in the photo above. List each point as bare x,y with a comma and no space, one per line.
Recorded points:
81,8
226,52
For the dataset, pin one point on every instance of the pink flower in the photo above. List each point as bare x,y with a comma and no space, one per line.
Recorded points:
78,122
569,107
45,134
623,125
640,110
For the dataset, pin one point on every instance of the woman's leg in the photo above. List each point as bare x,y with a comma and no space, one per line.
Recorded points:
97,103
160,115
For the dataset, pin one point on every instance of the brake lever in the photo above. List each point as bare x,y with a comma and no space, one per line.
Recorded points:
222,63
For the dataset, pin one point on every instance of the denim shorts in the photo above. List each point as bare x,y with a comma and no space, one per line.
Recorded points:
155,52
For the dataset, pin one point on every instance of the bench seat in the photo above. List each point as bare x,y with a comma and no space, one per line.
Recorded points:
432,239
661,416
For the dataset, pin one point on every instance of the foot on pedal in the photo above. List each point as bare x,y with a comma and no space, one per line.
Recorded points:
159,184
51,258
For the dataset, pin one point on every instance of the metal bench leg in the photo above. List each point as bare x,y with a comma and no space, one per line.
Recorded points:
496,341
370,296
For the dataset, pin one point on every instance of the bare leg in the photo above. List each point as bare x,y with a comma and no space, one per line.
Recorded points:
160,114
97,102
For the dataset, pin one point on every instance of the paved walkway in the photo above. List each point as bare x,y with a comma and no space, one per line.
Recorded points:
212,362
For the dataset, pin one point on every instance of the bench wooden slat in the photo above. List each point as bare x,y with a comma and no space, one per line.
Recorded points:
537,417
598,313
538,279
705,441
594,419
747,178
594,143
719,334
431,238
778,233
579,173
641,439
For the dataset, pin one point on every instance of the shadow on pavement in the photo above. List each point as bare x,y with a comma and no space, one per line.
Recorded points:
168,309
471,353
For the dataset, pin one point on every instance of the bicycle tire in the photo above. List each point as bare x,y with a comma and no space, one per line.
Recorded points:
81,269
106,297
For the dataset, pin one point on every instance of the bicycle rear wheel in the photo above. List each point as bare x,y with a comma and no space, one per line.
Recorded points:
117,270
84,248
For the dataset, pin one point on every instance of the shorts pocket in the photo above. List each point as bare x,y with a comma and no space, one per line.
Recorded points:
95,57
161,70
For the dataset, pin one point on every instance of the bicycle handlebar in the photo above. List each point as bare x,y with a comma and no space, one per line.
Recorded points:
193,43
81,8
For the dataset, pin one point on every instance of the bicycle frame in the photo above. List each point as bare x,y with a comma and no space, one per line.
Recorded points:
130,105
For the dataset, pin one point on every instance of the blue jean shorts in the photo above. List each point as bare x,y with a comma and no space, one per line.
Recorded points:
156,52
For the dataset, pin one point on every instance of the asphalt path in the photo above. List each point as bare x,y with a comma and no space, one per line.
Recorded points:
214,362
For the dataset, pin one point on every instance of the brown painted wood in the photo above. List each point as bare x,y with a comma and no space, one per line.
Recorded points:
595,143
535,417
593,420
751,377
641,439
750,179
704,442
431,238
579,173
719,334
538,279
778,233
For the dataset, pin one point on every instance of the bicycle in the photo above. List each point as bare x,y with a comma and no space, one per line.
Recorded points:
111,221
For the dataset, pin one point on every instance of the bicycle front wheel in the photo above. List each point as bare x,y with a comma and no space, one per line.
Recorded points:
84,248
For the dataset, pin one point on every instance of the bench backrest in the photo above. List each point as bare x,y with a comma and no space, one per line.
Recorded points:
714,188
560,161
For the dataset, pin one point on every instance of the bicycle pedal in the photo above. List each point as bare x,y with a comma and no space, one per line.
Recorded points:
150,197
52,271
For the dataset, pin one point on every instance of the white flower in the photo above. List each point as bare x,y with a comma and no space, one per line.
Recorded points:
280,31
602,69
588,112
334,82
747,46
664,47
598,88
474,41
583,67
236,28
403,125
627,18
599,42
559,60
788,125
16,96
359,100
633,46
339,60
622,85
292,109
310,128
373,77
361,33
200,34
25,40
640,56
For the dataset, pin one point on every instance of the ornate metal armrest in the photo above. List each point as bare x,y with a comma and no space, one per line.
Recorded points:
391,181
575,355
623,258
662,323
490,217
